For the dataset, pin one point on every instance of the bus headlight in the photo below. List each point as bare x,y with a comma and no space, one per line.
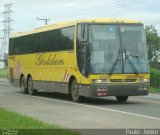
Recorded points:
142,80
100,81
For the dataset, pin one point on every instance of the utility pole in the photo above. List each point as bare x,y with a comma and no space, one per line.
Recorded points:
6,30
44,19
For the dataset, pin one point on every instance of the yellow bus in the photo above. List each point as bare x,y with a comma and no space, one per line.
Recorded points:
83,58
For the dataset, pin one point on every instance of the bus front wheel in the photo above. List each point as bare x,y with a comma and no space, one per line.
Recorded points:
75,91
122,99
23,86
31,91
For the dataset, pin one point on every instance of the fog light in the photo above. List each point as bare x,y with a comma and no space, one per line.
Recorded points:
143,88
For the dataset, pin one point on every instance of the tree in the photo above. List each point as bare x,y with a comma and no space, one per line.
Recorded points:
153,42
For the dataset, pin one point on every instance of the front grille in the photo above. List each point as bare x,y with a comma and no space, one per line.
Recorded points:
116,80
123,80
130,80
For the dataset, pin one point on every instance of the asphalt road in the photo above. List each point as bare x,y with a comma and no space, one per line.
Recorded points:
97,113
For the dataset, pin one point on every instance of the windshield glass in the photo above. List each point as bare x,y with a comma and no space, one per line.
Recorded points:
134,48
105,52
117,49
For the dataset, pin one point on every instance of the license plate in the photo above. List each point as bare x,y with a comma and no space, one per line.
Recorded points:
101,93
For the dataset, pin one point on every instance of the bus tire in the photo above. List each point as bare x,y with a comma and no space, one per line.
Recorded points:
75,91
23,85
31,91
121,99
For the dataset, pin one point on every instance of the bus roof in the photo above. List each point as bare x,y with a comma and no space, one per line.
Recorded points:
71,23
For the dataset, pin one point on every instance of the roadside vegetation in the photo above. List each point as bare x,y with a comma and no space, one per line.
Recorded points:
153,45
154,90
3,73
25,125
155,80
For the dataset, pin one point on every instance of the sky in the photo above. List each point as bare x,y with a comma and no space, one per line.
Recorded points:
26,11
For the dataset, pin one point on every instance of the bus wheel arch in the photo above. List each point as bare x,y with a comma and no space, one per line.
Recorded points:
20,79
28,76
70,83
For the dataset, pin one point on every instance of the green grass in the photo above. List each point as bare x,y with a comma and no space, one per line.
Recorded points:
26,125
3,73
154,90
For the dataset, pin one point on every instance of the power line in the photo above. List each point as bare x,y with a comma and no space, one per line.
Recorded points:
101,8
104,4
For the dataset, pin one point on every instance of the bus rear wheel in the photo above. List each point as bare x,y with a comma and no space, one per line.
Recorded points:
31,91
122,99
75,91
23,86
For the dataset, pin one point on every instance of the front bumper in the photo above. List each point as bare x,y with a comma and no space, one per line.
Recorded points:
120,89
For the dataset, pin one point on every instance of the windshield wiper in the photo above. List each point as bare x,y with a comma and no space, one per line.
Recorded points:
115,62
130,61
134,56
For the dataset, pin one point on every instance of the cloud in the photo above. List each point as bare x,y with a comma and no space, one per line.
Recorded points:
26,11
69,4
146,17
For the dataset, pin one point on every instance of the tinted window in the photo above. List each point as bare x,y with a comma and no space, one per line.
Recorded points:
82,35
54,40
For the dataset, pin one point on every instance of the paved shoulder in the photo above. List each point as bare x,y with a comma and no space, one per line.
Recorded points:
4,80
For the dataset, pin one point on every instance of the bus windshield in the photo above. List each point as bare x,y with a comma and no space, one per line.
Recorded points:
118,49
